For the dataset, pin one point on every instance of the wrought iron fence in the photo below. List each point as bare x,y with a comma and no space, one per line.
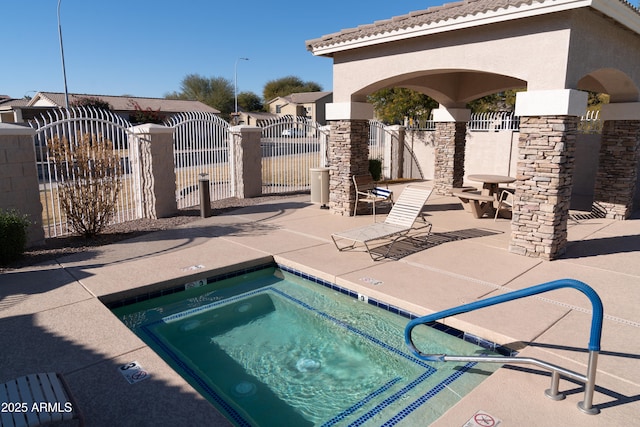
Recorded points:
290,147
378,140
590,122
71,125
493,122
200,149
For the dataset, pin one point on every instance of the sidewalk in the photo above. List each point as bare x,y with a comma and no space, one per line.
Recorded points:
52,320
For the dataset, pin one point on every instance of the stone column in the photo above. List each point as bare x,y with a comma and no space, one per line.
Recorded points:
348,152
616,180
246,161
543,190
19,187
548,128
450,141
151,148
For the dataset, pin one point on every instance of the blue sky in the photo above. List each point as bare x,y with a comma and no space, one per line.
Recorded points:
146,47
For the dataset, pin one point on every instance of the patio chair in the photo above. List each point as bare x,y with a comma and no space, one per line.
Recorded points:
397,224
41,399
505,200
367,191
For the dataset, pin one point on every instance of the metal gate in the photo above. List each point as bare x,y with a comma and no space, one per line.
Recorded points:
71,125
290,147
201,149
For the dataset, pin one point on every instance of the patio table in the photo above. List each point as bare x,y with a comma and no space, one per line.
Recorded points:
491,183
482,203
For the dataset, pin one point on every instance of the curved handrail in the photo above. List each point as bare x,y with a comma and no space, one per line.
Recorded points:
596,319
594,340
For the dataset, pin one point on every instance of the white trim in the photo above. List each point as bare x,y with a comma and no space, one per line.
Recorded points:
561,102
614,9
442,114
349,111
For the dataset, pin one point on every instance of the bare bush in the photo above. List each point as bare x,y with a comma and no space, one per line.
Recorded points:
89,180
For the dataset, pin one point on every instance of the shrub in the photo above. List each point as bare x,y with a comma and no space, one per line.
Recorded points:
375,169
91,101
13,235
89,174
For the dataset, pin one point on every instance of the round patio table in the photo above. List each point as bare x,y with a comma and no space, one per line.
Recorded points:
491,183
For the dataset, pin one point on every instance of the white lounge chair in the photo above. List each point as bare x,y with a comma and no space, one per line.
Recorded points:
38,399
397,224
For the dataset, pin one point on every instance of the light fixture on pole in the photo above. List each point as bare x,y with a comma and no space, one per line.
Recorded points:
235,82
64,72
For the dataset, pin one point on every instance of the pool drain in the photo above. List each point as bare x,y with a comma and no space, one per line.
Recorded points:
188,326
244,307
306,365
244,389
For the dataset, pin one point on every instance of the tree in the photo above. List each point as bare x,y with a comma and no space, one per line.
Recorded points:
496,102
249,101
286,86
394,105
216,92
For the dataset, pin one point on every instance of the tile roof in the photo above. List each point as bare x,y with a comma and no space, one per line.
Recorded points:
435,15
305,97
11,102
124,103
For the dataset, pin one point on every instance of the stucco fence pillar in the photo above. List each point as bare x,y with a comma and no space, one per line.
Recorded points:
545,171
245,159
449,140
19,188
393,163
152,161
617,176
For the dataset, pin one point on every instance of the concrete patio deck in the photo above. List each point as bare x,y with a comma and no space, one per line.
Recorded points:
51,318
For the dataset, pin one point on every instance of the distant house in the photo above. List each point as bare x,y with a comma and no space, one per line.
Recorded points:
23,110
305,104
255,118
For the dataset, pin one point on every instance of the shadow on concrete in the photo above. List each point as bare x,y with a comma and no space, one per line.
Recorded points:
615,398
418,242
602,246
32,344
165,241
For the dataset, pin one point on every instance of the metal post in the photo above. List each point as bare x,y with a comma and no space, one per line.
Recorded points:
235,83
64,71
205,197
586,405
553,393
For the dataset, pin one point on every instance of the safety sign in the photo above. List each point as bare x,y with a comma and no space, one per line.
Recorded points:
483,419
133,372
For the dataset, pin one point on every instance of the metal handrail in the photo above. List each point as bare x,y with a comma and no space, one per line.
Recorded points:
586,405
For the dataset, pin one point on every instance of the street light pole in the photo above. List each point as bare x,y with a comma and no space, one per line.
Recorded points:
64,72
235,82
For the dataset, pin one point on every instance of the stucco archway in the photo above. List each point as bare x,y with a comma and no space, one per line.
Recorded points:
461,51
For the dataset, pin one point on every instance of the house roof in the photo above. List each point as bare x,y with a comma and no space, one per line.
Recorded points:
302,97
306,97
10,102
125,103
463,14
